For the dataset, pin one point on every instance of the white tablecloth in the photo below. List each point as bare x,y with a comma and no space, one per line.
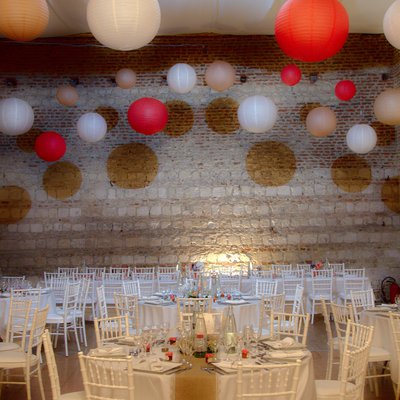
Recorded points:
382,336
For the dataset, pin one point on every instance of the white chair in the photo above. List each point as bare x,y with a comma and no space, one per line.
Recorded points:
12,282
298,300
33,295
330,341
395,330
353,279
113,276
338,268
290,325
81,309
230,283
321,288
147,280
269,304
102,310
58,286
91,293
353,366
192,305
48,276
124,271
268,381
290,281
279,268
97,271
111,329
65,319
304,267
128,305
29,360
53,373
266,287
68,271
110,288
262,274
102,376
131,288
17,325
361,300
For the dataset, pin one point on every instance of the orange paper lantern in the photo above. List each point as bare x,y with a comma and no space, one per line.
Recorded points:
311,30
23,20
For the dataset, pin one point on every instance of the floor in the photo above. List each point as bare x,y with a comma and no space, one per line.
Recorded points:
70,379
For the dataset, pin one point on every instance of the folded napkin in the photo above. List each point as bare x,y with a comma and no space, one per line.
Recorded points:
282,344
110,351
153,302
287,354
251,297
234,302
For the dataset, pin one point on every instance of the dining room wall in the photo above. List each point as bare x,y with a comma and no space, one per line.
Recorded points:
203,189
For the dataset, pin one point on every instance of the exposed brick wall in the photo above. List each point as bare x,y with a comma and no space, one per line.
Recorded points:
202,203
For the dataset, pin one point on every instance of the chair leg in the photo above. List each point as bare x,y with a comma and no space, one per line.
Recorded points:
42,395
66,339
84,332
328,375
76,337
312,312
28,383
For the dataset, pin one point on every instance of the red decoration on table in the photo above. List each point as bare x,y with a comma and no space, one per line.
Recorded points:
345,90
169,355
148,115
291,75
245,353
50,146
311,30
172,340
209,357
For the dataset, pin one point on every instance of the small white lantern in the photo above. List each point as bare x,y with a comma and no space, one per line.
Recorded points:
16,116
181,78
125,78
391,25
92,127
257,114
361,138
123,24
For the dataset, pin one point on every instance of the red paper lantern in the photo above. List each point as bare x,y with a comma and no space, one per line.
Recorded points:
345,90
147,115
291,75
311,30
50,146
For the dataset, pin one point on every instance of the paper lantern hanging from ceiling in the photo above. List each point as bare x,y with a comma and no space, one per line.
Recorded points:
91,127
67,95
311,30
291,75
220,75
23,20
50,146
345,90
125,78
361,138
123,24
16,116
257,114
391,25
147,115
321,121
181,78
387,106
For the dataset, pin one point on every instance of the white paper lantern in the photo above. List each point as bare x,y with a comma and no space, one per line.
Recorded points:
123,24
181,78
16,116
257,114
92,127
361,138
391,24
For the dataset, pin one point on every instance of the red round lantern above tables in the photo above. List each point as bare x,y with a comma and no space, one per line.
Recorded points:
291,75
50,146
311,30
148,115
345,90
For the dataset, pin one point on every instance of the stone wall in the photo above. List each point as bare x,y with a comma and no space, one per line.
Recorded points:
203,202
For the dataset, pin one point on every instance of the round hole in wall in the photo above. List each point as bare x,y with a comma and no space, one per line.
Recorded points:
180,118
15,203
221,115
26,142
390,194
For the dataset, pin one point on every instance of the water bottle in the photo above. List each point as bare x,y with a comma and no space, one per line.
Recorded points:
200,337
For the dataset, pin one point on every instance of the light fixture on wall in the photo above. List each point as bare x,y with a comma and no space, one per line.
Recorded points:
313,77
124,24
11,82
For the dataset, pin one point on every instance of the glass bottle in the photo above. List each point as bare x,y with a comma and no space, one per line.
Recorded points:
230,332
200,337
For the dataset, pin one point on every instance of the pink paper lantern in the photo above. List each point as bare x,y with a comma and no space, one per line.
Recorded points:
50,146
345,90
148,115
291,75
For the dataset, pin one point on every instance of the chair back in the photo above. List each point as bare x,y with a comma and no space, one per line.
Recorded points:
97,271
131,288
341,315
395,328
361,300
101,302
48,276
338,268
58,286
68,271
269,304
353,367
34,295
12,282
279,268
266,287
298,301
230,283
189,306
113,276
322,284
305,267
166,270
18,321
110,329
71,298
106,378
291,279
37,329
167,281
51,366
128,305
268,381
85,287
293,325
262,274
124,271
329,336
353,279
144,273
